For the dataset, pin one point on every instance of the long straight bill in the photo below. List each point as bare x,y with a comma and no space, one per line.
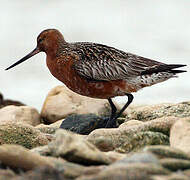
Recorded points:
35,51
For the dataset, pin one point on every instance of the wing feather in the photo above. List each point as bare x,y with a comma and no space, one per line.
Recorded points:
103,63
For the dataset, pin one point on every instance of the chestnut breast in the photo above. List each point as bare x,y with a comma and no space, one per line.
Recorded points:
62,69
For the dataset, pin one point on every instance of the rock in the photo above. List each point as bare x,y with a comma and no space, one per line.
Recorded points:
74,148
147,113
43,173
7,174
41,150
60,169
180,135
19,157
130,123
7,102
56,124
83,123
175,164
22,134
50,128
140,157
61,102
114,156
167,152
45,151
173,176
71,170
93,170
47,129
187,172
133,138
133,171
22,114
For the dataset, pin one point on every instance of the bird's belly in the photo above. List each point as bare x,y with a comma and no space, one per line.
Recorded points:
99,89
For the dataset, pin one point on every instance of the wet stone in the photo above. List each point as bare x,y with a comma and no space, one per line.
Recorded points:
84,123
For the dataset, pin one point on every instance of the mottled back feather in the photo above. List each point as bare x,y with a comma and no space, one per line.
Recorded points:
101,62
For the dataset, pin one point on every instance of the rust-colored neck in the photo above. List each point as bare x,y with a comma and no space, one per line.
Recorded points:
54,47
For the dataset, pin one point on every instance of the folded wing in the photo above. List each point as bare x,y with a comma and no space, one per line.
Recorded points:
102,63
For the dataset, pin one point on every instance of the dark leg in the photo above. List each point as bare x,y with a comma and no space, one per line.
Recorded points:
130,99
112,120
113,108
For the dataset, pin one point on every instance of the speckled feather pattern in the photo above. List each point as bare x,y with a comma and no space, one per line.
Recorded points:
100,71
99,62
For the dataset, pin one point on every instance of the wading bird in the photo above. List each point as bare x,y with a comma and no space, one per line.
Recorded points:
99,71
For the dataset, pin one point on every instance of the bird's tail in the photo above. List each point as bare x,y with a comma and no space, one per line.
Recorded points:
159,73
174,66
169,68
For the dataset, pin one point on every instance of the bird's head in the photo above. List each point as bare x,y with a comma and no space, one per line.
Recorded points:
47,41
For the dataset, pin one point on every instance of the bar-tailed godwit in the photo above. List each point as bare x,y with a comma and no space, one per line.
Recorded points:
99,71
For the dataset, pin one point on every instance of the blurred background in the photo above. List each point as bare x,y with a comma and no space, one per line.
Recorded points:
158,30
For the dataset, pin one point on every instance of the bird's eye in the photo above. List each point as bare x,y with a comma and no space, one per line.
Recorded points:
40,40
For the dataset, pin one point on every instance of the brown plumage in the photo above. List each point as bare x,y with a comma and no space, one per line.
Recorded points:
99,71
